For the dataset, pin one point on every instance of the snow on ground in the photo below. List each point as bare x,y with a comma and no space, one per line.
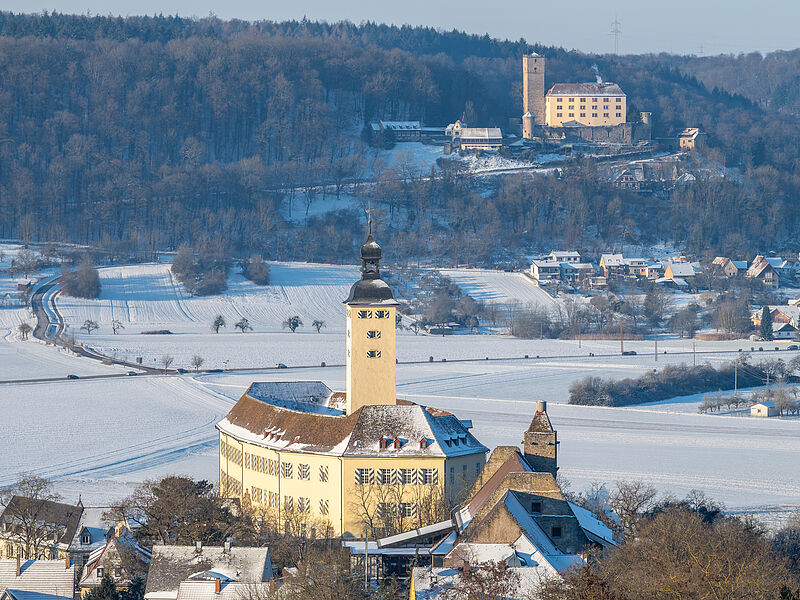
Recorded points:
11,313
502,287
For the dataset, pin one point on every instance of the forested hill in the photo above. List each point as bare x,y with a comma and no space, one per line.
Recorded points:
148,132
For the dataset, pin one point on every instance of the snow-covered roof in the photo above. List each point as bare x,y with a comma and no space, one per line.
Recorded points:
481,133
592,526
95,526
612,260
302,396
680,269
558,254
585,89
765,403
401,125
39,579
229,590
170,565
402,429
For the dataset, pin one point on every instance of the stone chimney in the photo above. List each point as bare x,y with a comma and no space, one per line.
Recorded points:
217,586
540,442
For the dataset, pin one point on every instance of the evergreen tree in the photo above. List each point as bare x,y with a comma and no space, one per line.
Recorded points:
765,330
105,591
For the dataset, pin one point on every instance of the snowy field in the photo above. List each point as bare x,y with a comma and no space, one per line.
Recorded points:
501,287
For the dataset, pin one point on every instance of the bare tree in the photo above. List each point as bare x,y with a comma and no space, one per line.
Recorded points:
243,324
219,321
293,323
90,326
24,329
630,501
317,324
116,325
167,360
197,362
27,506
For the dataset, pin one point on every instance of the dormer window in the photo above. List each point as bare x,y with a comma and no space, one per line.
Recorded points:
423,443
397,443
383,443
86,538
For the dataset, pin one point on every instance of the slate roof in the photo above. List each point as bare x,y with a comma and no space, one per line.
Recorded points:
39,579
170,565
681,269
123,547
282,424
585,89
481,133
95,525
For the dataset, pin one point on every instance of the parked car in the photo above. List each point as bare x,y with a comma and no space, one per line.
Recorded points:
72,377
181,371
280,366
629,353
131,373
792,347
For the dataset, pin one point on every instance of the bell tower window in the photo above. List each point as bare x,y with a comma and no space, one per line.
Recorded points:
373,334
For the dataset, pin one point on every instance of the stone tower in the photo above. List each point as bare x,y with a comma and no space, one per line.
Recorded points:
371,352
540,444
533,89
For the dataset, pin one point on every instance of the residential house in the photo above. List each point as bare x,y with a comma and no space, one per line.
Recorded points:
766,408
398,131
36,579
628,179
654,270
570,256
199,571
612,265
479,138
784,331
762,270
545,271
788,313
729,268
56,526
516,515
679,270
635,267
577,273
90,534
121,558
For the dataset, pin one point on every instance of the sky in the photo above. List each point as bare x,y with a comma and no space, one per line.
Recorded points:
678,26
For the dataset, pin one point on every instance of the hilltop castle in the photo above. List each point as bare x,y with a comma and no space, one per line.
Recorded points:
594,112
313,458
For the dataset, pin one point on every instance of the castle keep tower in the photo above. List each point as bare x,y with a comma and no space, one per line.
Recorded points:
533,107
371,352
540,443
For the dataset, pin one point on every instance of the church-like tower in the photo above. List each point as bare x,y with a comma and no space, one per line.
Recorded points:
371,351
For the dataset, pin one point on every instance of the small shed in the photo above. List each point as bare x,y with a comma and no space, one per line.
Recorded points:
764,409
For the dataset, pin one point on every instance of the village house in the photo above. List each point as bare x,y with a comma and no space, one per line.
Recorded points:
569,256
56,524
545,271
729,268
762,270
789,314
679,270
687,139
120,558
784,331
612,265
329,462
654,270
766,408
36,579
516,515
196,572
398,131
487,139
577,273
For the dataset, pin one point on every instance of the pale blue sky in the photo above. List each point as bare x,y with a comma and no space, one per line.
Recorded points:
683,26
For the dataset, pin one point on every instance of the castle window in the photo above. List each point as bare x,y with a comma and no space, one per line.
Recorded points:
406,476
385,476
373,353
619,114
594,106
383,443
619,99
323,507
288,503
571,114
619,106
536,507
303,505
594,114
429,476
558,114
594,99
583,114
605,114
423,443
397,443
452,474
286,470
86,538
408,509
572,99
323,473
364,476
477,469
304,472
583,100
273,499
572,107
381,314
365,314
373,334
555,531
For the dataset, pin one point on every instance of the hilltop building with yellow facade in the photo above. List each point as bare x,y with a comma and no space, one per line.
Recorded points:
585,104
353,462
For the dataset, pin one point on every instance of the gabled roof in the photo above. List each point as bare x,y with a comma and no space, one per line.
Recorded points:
171,565
92,523
585,89
612,260
481,133
40,579
58,514
680,269
120,547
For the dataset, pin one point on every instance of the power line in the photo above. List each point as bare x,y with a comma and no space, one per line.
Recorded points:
615,33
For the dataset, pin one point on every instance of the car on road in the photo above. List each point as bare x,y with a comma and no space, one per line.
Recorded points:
629,353
182,371
280,366
131,373
793,347
72,377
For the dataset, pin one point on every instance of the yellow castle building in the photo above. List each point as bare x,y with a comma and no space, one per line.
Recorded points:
350,463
